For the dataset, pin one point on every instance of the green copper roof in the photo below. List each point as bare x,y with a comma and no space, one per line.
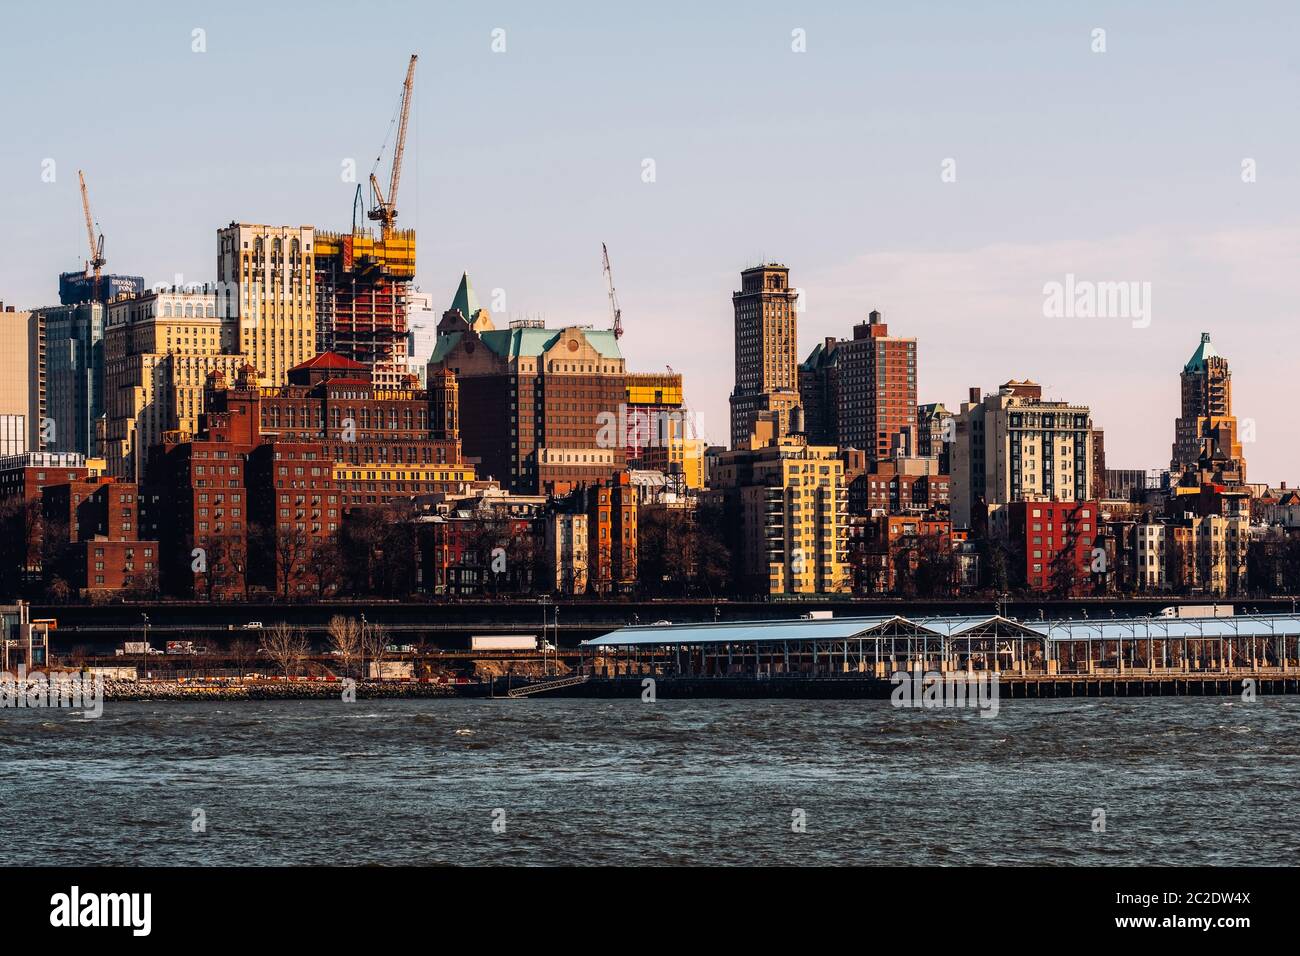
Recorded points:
446,342
1204,352
512,343
814,357
819,357
465,301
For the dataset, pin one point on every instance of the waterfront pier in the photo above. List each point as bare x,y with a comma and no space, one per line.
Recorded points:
852,657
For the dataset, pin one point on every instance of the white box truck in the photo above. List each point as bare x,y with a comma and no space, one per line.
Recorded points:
1198,610
504,642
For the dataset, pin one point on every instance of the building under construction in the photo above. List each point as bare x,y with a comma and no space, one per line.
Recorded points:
363,281
362,288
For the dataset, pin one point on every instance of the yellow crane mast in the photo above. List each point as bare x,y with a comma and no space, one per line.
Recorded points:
384,209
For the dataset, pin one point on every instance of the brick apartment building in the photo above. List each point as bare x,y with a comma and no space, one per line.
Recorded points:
263,489
93,537
861,392
536,403
906,485
612,541
1052,545
23,478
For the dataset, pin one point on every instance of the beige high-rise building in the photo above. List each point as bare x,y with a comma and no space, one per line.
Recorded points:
788,505
1205,434
22,381
159,349
767,353
1014,446
266,280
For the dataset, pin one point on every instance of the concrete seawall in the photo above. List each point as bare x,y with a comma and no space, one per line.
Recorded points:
870,688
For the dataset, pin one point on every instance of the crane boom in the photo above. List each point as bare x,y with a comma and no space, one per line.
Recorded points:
385,208
613,296
96,260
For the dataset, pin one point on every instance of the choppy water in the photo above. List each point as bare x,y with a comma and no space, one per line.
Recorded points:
1183,781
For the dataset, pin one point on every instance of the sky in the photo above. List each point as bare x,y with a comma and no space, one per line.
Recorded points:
943,162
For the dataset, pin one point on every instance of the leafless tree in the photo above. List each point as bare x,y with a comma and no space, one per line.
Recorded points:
242,652
374,644
287,646
321,566
223,573
292,550
345,640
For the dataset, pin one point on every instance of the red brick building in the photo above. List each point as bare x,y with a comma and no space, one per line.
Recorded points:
861,392
22,480
265,486
538,403
93,539
908,554
458,554
383,443
1053,543
202,497
612,512
906,485
295,510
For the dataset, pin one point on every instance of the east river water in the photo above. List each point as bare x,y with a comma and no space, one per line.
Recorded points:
1180,781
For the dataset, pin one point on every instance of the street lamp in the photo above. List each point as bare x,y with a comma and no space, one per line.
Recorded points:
545,599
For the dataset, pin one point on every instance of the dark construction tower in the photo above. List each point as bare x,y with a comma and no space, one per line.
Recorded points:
767,362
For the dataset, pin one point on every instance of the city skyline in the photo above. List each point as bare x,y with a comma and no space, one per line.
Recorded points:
1078,181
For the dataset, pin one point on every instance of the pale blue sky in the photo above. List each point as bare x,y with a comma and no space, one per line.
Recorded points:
1123,165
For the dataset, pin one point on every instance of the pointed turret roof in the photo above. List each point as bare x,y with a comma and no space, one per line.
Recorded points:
328,360
1204,352
465,301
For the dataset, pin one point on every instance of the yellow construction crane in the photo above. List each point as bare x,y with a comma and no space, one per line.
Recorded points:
96,261
613,296
384,208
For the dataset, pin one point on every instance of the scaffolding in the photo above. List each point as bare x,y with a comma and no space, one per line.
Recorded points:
362,296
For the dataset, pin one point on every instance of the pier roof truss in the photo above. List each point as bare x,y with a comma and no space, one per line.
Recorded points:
815,646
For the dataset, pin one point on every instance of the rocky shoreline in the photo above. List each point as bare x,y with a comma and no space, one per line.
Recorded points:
123,690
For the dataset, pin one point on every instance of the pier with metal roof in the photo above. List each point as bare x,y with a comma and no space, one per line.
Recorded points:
882,645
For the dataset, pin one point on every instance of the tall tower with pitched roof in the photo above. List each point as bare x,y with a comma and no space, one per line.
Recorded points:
1205,434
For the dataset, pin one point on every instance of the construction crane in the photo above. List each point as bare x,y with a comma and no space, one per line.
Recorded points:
384,207
613,296
96,261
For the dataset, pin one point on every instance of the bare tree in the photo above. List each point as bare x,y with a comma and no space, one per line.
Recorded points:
287,646
242,652
321,566
345,640
374,644
292,550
